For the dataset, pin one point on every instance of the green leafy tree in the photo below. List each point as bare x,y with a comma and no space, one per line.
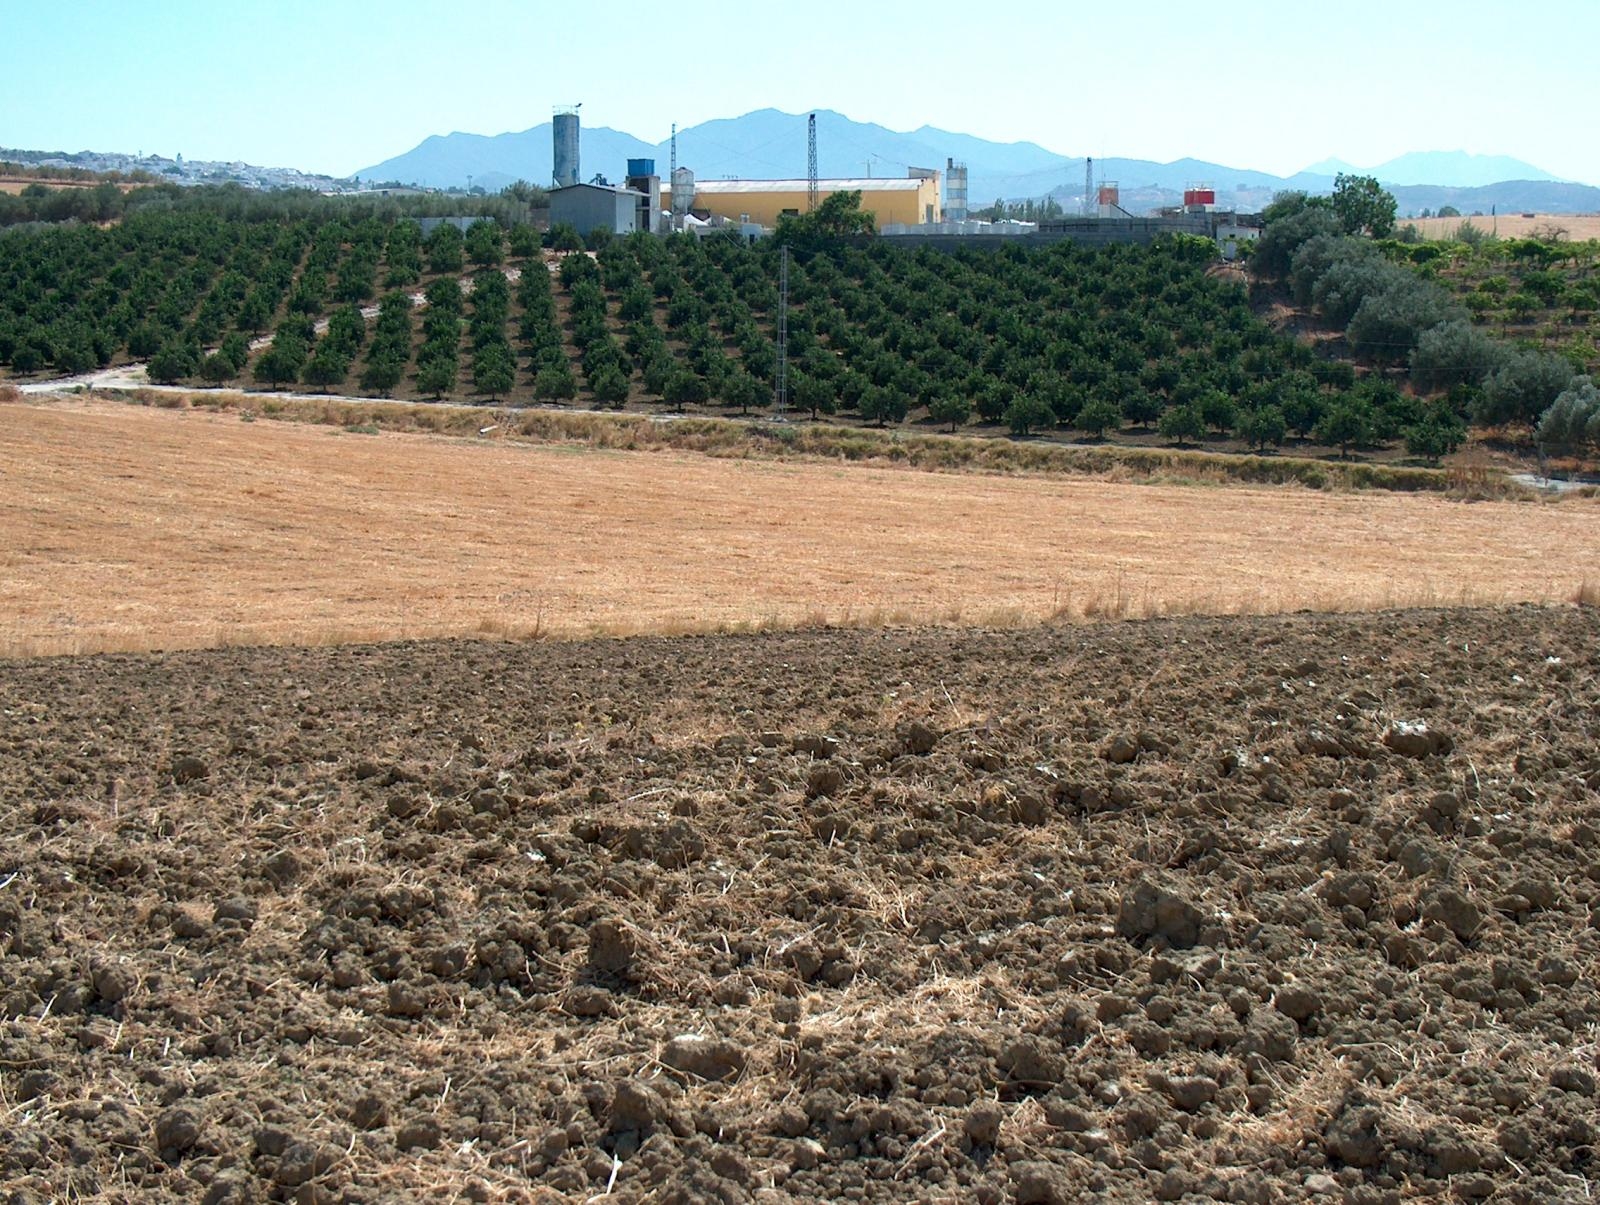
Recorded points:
555,384
217,368
1098,415
1141,407
524,241
838,215
742,390
437,377
1388,324
1432,440
1181,424
1302,409
813,393
1363,206
173,363
1218,411
1262,426
382,375
881,405
236,351
277,365
493,370
610,386
1028,413
953,408
564,236
485,243
327,368
1347,423
445,248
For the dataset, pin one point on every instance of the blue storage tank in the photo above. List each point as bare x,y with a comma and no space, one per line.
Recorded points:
641,167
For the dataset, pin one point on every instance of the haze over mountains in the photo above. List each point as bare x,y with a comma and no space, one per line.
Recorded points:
771,144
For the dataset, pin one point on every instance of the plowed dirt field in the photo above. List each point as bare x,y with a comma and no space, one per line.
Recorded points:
1247,910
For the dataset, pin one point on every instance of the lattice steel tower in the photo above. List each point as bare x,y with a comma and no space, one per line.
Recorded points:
811,164
780,380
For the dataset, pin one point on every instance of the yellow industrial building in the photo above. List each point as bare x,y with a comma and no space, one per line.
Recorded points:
913,200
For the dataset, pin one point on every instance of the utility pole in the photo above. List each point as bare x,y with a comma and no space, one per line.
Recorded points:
811,166
780,381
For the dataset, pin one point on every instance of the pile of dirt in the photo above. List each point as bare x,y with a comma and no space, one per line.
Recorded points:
1239,910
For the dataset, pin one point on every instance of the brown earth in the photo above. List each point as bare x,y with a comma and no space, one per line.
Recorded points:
130,528
1250,910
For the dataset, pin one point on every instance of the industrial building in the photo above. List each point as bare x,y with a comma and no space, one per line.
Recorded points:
901,207
912,200
587,206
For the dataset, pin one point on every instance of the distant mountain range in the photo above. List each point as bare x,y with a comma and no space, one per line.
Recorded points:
770,144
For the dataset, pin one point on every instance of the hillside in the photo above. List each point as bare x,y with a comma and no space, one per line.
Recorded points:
1145,344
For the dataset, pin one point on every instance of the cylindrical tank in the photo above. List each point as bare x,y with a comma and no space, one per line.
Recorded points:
564,134
682,191
955,191
1110,200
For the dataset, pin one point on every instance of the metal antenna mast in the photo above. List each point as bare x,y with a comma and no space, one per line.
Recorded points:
674,149
1088,187
811,164
780,381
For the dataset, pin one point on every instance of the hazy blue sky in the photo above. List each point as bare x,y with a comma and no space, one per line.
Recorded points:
336,85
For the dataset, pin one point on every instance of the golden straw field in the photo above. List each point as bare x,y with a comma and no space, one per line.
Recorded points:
131,528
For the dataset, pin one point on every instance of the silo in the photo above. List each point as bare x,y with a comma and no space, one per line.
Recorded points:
1111,200
955,191
682,191
564,135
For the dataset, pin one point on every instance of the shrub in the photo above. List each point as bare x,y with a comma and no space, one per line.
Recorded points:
1522,388
1388,324
1573,419
1283,237
1453,353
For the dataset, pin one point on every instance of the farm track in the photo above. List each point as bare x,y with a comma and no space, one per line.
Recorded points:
1249,910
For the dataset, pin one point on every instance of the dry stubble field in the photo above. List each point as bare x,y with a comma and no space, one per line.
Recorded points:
1575,226
131,528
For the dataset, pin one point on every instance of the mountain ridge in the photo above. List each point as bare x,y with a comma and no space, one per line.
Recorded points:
770,143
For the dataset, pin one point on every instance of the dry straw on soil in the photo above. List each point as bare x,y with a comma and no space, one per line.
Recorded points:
134,528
